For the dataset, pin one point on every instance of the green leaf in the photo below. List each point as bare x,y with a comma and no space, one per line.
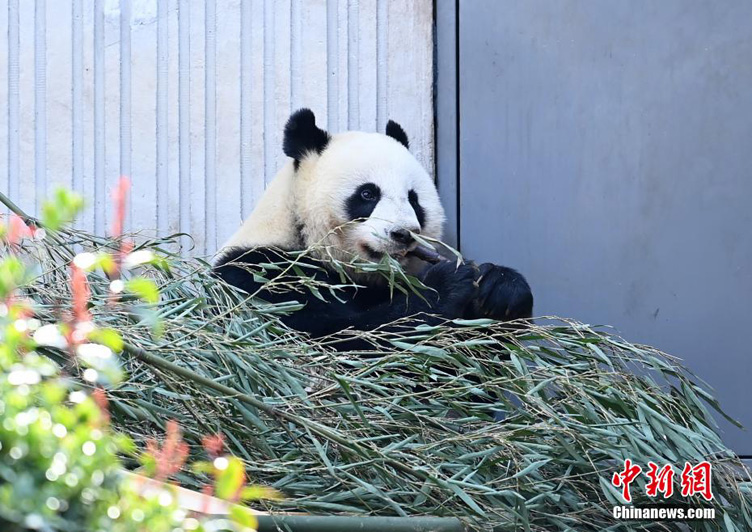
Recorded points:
61,209
243,517
257,493
230,479
531,468
109,337
145,289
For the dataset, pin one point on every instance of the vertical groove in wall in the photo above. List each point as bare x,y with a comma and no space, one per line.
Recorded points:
246,123
332,61
269,95
353,80
296,56
77,95
382,26
40,100
458,110
99,125
184,126
14,103
125,98
162,125
210,125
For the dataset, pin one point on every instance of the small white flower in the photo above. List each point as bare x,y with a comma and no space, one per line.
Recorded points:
21,375
85,326
53,504
221,463
97,477
165,499
85,260
89,448
93,351
21,325
82,330
91,375
25,418
34,521
141,256
117,286
49,335
59,430
77,396
191,524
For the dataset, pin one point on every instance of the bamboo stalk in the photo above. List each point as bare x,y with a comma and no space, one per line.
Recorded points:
208,505
309,523
15,209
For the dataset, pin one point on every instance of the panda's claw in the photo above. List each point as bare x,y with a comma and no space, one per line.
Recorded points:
503,294
455,287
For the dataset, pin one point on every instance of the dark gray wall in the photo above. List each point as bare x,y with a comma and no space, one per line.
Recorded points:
606,151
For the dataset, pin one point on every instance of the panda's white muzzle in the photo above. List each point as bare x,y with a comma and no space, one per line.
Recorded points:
395,241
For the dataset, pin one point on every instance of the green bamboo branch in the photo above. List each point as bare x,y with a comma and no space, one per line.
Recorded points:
314,427
15,209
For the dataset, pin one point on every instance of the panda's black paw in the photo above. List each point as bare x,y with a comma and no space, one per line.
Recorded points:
503,294
455,287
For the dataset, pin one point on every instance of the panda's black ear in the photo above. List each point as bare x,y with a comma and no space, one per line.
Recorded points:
302,136
394,130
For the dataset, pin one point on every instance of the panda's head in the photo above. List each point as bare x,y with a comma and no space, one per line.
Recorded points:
363,193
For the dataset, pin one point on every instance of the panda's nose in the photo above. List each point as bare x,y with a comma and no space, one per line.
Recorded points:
401,236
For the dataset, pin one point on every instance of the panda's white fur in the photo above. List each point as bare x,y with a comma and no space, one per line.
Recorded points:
301,207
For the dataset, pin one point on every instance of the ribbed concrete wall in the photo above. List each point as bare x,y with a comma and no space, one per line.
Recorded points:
189,97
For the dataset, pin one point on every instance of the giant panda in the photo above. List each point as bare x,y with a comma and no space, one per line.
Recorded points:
363,195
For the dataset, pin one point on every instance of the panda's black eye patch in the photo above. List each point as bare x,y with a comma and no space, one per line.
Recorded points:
362,202
420,213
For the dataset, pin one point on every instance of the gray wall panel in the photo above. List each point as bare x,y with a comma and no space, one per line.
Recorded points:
446,115
606,154
189,97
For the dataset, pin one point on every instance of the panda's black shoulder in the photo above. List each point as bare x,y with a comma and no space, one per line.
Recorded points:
234,265
245,255
249,269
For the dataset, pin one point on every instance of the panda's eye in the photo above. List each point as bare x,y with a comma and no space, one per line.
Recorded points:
368,194
363,200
